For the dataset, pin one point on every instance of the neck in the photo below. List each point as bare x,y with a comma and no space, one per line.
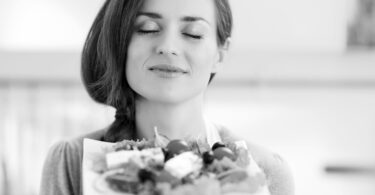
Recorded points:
176,121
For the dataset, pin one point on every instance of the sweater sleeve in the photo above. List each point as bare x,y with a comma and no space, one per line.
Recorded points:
279,176
277,170
62,170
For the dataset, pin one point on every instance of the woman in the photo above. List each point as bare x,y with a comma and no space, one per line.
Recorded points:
152,60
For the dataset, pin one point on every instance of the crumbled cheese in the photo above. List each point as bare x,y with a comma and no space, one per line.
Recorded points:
152,155
183,164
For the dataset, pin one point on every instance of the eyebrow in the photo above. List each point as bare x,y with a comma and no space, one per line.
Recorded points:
185,18
149,14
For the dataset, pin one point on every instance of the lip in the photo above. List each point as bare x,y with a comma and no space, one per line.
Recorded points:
167,69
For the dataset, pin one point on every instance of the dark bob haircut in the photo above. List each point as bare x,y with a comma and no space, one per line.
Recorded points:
104,55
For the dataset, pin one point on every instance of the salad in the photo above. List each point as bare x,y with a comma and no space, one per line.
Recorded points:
161,166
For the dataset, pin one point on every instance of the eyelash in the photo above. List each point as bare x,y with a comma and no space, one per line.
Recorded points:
156,31
147,31
193,36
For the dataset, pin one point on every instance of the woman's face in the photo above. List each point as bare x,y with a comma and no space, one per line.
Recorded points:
173,50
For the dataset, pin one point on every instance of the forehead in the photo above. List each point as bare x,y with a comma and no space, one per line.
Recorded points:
175,9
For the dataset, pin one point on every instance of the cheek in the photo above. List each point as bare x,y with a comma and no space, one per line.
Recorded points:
136,56
134,63
203,58
133,53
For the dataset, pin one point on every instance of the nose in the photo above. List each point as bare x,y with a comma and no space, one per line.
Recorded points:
168,44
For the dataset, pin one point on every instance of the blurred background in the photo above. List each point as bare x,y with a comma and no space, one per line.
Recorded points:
299,80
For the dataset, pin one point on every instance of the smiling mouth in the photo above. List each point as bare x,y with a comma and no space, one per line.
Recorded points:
167,69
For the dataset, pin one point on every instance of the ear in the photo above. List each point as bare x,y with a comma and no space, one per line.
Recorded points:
222,52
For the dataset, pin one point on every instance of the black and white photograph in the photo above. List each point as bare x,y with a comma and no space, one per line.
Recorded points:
187,97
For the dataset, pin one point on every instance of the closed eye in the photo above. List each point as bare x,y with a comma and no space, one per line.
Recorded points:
193,36
148,31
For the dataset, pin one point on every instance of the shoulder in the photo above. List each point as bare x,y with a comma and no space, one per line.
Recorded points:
71,149
62,167
59,170
277,170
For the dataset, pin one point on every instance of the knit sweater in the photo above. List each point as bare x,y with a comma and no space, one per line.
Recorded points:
62,174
